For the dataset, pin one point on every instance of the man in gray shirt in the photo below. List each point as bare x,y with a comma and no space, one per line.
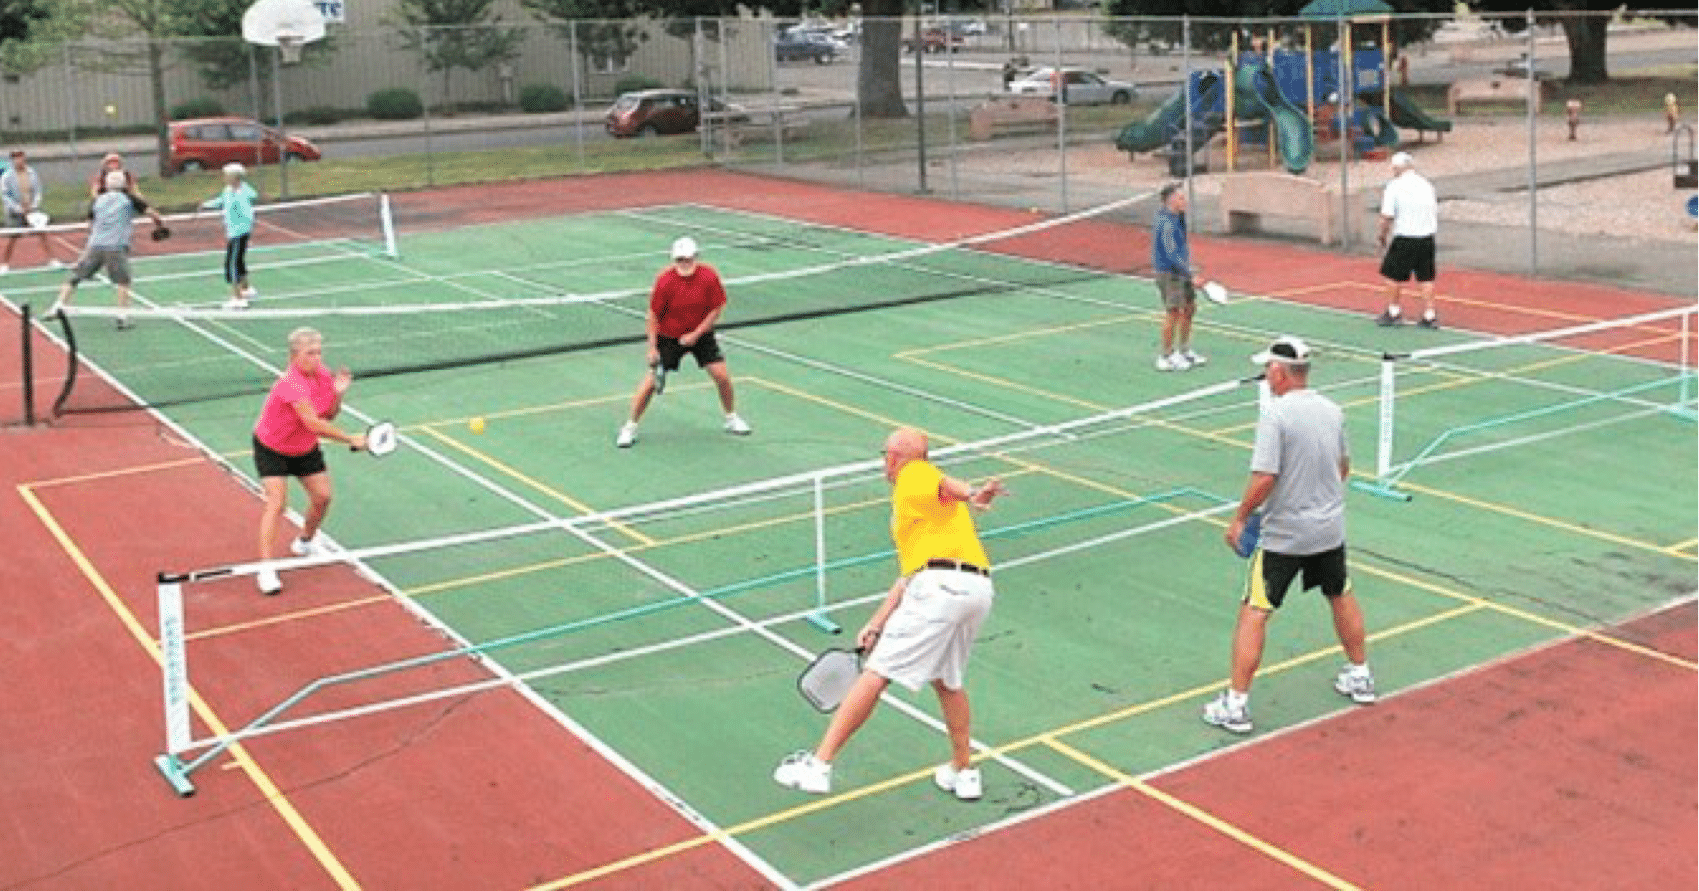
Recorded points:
1298,472
110,220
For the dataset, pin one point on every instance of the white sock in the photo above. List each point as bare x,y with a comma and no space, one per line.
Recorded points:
1358,671
1394,311
1428,314
1235,699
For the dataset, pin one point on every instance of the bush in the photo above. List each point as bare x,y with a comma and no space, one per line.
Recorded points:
394,104
631,83
317,115
204,107
537,98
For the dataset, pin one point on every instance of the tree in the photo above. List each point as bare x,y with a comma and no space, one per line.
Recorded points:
156,21
450,34
1584,23
1130,20
879,80
32,31
599,29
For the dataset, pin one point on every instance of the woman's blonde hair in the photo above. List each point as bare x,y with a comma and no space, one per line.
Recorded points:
302,336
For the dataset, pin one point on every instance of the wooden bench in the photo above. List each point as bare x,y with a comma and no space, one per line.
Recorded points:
785,130
1498,89
1247,197
1012,114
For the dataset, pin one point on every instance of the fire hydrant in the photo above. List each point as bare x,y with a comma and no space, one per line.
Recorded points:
1573,107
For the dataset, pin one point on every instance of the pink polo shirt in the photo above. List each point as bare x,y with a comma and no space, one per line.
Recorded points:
280,428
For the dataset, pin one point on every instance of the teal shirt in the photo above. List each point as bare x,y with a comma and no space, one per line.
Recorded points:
238,204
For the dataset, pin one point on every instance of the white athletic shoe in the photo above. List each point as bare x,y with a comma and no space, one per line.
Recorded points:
313,547
627,435
1218,713
1194,360
805,773
1359,687
4,269
736,425
965,784
1172,362
55,264
249,293
236,303
268,581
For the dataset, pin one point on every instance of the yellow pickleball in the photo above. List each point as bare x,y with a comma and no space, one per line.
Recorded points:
477,425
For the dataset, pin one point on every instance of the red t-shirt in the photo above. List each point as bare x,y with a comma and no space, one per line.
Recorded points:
680,303
279,427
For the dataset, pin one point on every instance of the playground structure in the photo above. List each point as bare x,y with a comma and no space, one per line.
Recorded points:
1287,100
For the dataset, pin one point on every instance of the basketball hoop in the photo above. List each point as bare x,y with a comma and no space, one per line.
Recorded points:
289,48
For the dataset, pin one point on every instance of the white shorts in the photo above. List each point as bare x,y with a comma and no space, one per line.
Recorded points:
930,633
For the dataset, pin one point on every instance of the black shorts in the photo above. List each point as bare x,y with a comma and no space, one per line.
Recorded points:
270,462
1407,256
236,259
1272,574
706,350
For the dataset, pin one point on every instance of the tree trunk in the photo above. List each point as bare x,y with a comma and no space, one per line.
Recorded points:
1586,37
879,80
162,126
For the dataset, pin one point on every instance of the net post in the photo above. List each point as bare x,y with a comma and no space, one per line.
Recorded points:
386,220
28,358
818,617
175,674
1383,483
1685,371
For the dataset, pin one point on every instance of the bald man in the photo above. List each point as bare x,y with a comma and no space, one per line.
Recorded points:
923,631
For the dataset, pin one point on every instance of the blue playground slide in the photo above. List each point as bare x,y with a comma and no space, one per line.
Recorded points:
1256,95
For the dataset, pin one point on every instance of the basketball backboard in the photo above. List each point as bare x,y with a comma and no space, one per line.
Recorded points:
270,22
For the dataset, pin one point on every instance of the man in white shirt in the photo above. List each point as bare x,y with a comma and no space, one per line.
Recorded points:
1409,214
20,189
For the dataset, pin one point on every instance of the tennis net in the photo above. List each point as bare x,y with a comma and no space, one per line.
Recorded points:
560,594
1576,388
535,295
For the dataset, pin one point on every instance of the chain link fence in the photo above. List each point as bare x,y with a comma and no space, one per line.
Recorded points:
1270,125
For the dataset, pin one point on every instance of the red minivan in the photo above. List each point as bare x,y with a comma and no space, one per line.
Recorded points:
211,143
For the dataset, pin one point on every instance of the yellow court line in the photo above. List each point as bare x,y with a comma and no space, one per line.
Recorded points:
1004,383
1231,830
1519,613
274,796
109,474
285,618
540,486
1019,335
886,785
1540,519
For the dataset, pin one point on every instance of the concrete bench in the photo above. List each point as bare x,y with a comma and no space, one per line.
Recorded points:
1498,89
1000,114
787,130
1247,197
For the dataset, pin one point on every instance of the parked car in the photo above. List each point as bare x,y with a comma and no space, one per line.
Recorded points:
1079,86
210,143
802,46
934,40
655,112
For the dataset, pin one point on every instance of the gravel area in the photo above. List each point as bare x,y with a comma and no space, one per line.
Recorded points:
1640,205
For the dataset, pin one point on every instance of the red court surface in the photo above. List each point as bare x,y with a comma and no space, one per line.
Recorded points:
1514,775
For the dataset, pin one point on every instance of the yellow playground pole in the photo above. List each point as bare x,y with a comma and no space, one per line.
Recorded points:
1232,72
1268,60
1386,67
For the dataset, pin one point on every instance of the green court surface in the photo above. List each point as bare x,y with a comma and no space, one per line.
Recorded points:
682,632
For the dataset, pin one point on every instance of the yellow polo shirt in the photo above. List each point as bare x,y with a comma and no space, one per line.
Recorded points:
925,528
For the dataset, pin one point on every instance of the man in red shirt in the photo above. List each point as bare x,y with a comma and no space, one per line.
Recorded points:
686,302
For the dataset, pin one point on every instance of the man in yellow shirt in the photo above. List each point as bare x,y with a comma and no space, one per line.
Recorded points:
924,629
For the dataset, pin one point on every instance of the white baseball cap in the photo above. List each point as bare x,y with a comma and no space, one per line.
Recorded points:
1403,159
115,179
235,169
684,248
1286,350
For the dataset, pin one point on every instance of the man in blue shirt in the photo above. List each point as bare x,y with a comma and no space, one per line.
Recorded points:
1171,260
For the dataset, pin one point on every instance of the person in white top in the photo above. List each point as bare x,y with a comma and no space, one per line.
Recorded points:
1409,215
20,188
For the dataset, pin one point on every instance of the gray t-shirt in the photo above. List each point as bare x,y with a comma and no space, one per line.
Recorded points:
1301,439
112,214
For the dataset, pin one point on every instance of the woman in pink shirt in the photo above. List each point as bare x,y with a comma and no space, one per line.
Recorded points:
297,413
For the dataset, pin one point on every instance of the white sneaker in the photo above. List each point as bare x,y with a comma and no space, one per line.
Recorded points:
1194,360
627,435
1218,713
1359,687
965,784
55,264
805,773
268,581
736,425
250,293
236,303
313,547
1172,362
